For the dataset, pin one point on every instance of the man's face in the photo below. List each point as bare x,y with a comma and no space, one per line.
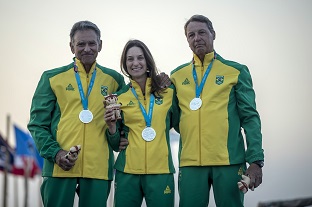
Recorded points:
200,39
86,46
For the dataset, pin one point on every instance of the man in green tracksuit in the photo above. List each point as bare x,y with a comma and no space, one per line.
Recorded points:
216,99
67,110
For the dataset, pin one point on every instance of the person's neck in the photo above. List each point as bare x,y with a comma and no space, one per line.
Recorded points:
202,57
87,68
142,83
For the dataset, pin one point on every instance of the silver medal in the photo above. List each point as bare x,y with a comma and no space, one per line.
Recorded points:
85,116
148,134
195,104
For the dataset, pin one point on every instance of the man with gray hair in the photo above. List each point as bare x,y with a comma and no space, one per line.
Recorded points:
217,100
67,110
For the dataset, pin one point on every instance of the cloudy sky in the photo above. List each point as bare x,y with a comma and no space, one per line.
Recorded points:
272,37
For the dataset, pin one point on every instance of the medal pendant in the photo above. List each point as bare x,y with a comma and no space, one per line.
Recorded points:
195,104
85,116
148,134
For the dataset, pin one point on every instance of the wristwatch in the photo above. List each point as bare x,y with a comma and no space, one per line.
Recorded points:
260,163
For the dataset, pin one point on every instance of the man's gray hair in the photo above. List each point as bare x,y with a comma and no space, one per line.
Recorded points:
199,18
84,25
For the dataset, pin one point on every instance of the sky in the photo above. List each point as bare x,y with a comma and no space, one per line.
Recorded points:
271,37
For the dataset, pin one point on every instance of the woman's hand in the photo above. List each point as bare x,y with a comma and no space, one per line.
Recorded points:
109,117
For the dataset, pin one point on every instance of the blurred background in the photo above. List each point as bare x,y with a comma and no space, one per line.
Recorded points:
273,38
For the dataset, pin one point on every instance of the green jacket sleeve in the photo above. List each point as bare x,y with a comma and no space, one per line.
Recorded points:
249,117
41,112
175,119
113,139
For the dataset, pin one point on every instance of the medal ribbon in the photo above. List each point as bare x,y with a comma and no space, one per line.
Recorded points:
199,88
84,99
147,117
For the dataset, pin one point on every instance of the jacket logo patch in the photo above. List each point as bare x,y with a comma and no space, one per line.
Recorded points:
219,79
70,87
167,190
104,90
130,103
159,101
186,82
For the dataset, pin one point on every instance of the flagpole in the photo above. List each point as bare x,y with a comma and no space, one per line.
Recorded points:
15,186
26,175
40,201
15,192
6,164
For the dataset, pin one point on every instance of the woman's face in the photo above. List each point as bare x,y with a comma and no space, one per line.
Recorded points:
136,63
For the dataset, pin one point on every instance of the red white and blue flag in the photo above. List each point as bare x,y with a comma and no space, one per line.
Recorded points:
26,154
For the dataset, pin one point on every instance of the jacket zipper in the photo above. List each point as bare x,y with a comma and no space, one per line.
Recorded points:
199,124
84,132
145,141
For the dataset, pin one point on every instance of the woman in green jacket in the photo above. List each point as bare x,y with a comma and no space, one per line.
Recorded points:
145,168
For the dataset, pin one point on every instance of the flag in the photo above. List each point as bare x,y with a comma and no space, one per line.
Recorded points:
20,164
6,152
26,153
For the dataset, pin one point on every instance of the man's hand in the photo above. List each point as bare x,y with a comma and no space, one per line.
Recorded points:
123,141
165,81
63,162
254,172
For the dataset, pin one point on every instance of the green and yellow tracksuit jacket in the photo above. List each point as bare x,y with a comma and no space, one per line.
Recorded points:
54,122
140,156
212,135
